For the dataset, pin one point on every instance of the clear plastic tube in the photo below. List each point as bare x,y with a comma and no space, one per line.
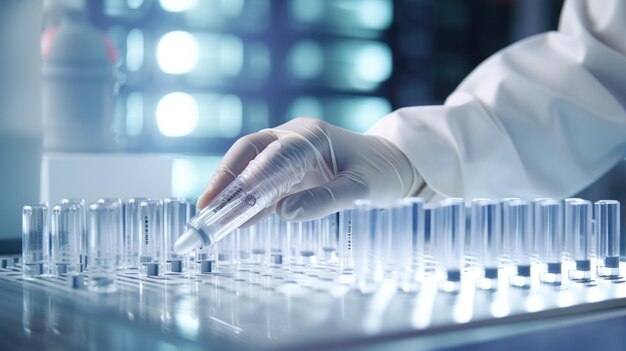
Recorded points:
448,226
381,250
418,224
550,223
118,230
578,221
34,240
607,219
328,238
568,239
279,240
518,226
242,244
486,233
345,239
260,242
308,242
83,234
361,243
102,223
66,233
151,245
263,181
132,232
402,241
175,217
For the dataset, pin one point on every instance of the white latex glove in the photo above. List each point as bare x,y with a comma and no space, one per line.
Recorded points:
349,166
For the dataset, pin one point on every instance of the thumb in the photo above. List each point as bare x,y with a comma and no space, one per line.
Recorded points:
336,195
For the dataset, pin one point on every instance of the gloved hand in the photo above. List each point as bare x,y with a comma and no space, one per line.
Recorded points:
350,166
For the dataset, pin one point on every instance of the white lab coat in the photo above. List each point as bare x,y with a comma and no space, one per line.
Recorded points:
544,117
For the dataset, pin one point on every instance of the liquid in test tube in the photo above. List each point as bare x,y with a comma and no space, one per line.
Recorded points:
66,233
151,245
308,242
175,217
279,240
103,246
486,231
34,240
518,226
448,225
607,220
550,224
578,222
328,238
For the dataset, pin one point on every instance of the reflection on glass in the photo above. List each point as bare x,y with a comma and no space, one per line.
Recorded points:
177,52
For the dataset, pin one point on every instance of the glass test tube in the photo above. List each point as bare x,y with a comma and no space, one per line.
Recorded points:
517,225
226,249
328,238
102,225
579,231
344,251
260,242
448,226
242,245
607,220
132,232
418,225
66,235
119,228
424,248
382,250
151,244
175,217
568,238
537,238
34,240
550,226
361,243
486,233
83,234
308,242
279,240
402,242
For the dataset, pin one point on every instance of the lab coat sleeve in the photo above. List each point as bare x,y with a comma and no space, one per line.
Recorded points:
543,117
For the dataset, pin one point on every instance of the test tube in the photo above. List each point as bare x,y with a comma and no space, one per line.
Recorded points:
83,234
308,242
328,238
537,238
119,228
344,251
132,232
418,225
226,249
550,224
424,248
278,240
242,245
607,220
361,243
382,249
293,231
66,233
448,226
175,217
568,237
517,225
486,233
34,240
579,229
260,242
402,242
151,245
102,225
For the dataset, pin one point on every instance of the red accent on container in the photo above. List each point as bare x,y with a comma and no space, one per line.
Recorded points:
47,39
111,51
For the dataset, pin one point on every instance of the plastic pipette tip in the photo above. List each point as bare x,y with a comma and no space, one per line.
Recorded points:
190,240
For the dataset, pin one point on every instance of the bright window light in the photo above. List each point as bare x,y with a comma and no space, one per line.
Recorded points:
177,52
373,63
134,114
375,14
177,5
177,114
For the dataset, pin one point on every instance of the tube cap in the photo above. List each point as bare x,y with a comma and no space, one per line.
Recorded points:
190,240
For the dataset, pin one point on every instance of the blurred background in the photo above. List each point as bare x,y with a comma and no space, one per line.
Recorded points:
195,75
